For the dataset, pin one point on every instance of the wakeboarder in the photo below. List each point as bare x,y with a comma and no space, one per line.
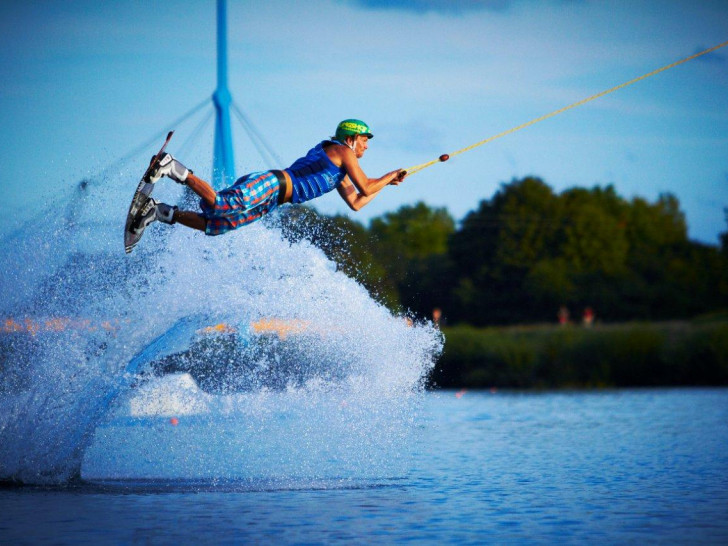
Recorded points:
331,164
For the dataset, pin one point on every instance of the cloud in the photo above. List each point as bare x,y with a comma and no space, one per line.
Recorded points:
454,7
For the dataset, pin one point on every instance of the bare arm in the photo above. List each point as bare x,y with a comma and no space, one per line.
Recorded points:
357,189
357,200
344,156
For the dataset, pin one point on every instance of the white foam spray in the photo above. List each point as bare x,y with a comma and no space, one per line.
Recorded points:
80,310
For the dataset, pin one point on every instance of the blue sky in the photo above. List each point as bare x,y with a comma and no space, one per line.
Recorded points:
84,82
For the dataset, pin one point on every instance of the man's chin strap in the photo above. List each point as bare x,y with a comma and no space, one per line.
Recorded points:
353,146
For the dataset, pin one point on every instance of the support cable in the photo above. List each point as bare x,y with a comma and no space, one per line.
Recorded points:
196,131
153,140
264,149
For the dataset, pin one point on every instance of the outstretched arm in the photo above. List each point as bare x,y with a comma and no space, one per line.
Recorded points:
357,189
343,156
366,186
357,200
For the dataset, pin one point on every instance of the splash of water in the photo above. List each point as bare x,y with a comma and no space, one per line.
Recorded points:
68,401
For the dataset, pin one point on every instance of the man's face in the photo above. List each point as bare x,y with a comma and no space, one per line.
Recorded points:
361,144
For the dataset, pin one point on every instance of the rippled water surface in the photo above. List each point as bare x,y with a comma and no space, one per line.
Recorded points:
608,467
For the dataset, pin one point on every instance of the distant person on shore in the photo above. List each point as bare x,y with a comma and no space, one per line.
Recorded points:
331,164
438,319
563,315
436,316
588,317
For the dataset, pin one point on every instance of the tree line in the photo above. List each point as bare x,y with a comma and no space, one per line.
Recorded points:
526,253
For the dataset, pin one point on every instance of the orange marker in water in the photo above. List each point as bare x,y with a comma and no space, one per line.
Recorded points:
174,421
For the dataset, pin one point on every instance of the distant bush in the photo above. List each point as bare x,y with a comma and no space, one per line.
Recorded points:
625,355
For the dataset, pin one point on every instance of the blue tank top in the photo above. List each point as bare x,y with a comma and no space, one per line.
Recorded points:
314,174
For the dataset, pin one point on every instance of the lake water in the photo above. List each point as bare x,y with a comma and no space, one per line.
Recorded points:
633,466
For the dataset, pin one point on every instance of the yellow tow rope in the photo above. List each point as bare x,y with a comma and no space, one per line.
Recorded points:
445,157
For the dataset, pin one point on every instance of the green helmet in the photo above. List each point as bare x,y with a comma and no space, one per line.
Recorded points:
352,127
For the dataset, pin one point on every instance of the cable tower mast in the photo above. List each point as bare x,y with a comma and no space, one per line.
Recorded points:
223,164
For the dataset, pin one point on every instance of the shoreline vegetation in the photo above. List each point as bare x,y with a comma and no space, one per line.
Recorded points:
633,354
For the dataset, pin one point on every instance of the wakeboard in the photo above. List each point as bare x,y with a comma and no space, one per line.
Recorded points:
141,196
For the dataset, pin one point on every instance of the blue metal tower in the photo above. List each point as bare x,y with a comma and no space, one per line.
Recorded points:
223,165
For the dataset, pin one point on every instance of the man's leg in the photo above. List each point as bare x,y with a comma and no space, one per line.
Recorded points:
201,188
190,219
206,193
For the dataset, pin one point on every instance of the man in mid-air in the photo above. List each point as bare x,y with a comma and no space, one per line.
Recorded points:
332,164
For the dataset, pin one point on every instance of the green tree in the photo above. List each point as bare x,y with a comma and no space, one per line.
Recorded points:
657,236
412,243
412,232
498,246
594,238
527,251
529,217
550,283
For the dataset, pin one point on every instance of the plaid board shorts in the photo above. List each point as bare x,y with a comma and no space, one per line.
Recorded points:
249,199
